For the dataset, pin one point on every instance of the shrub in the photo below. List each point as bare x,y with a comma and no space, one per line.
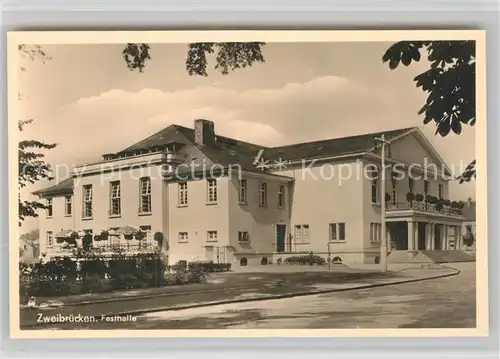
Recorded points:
468,239
410,196
419,197
209,266
387,197
93,284
309,259
279,261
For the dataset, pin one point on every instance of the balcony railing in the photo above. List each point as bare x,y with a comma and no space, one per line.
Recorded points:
107,247
424,207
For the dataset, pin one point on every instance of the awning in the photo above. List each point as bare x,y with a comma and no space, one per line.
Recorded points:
65,233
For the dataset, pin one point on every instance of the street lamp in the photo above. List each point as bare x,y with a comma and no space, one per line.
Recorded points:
383,242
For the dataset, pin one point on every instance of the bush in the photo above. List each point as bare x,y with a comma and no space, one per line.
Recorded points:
209,266
93,284
279,261
419,197
410,196
309,259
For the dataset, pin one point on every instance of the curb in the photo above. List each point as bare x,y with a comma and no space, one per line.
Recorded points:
268,297
157,295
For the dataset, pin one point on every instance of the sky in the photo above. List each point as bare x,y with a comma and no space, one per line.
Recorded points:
86,100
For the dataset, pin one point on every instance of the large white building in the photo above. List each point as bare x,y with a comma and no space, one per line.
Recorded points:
216,198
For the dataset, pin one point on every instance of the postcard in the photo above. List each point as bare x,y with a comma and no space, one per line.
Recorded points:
247,183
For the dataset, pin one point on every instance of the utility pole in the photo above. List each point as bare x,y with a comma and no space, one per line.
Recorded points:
383,242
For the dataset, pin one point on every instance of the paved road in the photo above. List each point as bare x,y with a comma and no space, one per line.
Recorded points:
441,303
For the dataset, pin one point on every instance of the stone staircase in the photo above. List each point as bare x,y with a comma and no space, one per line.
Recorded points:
428,256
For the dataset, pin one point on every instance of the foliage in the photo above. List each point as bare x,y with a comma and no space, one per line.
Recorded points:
387,197
410,196
32,168
468,239
449,84
309,259
229,56
419,197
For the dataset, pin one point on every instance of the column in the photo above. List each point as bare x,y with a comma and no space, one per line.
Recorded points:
411,236
428,240
433,237
459,238
445,237
416,236
389,239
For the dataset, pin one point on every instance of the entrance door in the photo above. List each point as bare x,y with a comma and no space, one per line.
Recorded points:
280,237
209,253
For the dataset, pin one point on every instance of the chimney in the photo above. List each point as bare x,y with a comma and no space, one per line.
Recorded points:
204,133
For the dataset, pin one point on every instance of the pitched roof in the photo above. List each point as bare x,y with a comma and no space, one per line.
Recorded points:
63,187
332,147
229,151
469,211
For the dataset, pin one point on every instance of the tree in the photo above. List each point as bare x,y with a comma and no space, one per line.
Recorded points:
32,168
449,83
229,56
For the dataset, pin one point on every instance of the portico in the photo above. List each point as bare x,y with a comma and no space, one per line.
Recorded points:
413,230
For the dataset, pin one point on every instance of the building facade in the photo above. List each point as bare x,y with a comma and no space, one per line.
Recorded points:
215,198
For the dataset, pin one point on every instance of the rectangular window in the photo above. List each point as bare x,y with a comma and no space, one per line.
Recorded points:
441,191
68,206
145,195
262,194
298,233
87,201
375,189
302,233
341,231
242,191
375,232
183,194
183,236
411,184
115,199
281,196
426,187
49,207
243,236
337,232
212,236
50,238
212,191
333,232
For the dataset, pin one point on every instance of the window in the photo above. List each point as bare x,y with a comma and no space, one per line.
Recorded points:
49,207
243,236
426,187
263,194
440,191
87,201
115,196
411,184
145,198
281,196
68,206
212,236
375,190
242,191
183,236
375,232
183,194
50,238
302,233
212,191
394,180
337,232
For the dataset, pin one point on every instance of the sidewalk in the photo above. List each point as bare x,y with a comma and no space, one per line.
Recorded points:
234,287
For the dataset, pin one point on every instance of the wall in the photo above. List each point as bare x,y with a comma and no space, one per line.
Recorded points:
55,224
326,194
196,218
259,221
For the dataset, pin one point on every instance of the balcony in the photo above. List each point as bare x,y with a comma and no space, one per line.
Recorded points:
422,207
